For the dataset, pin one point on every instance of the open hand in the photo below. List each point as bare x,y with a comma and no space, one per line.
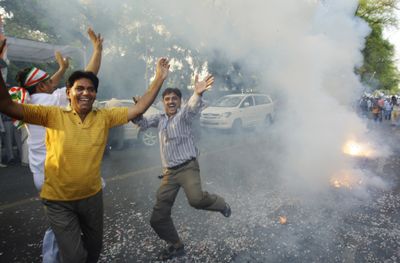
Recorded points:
203,85
162,68
97,40
63,62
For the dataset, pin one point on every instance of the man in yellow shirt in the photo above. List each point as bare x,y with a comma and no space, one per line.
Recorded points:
75,141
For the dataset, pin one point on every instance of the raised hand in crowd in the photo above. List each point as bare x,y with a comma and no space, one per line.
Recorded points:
63,64
203,85
96,39
95,61
162,68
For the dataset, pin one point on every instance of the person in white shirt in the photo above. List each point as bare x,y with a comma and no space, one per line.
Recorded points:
387,109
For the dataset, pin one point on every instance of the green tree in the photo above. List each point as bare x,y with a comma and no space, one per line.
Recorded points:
379,69
135,38
26,19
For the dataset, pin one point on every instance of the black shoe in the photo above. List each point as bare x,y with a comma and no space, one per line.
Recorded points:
171,252
227,210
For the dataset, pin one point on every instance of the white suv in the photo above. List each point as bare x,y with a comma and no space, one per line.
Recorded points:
238,111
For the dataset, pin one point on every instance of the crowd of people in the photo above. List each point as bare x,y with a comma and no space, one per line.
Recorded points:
379,109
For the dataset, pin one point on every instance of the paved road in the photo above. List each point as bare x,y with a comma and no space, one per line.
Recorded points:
338,226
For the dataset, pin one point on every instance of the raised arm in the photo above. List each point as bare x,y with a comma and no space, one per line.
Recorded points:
195,103
201,86
148,98
63,64
7,105
95,60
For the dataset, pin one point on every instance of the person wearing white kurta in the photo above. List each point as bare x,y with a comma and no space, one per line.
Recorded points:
37,134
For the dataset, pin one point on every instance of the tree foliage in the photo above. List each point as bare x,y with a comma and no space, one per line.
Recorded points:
134,39
26,19
379,69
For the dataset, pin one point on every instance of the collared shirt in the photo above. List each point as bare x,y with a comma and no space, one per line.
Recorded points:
175,132
37,134
74,148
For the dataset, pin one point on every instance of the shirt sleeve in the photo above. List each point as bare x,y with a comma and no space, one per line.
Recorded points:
116,116
38,114
192,107
148,122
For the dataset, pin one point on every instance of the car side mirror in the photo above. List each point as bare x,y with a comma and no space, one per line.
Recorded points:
246,104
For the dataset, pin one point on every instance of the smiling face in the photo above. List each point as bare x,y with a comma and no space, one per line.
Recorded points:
172,103
82,96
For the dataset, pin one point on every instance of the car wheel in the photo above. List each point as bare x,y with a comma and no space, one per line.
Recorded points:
149,137
237,126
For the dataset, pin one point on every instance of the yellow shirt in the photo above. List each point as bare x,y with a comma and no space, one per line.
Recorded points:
74,149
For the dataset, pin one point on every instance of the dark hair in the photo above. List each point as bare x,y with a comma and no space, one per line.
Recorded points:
79,74
172,90
21,77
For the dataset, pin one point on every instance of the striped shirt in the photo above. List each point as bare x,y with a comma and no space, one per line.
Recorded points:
175,132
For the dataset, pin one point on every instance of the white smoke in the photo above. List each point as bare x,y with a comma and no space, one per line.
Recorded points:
304,49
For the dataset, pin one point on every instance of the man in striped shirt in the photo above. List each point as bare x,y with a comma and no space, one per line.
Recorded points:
180,166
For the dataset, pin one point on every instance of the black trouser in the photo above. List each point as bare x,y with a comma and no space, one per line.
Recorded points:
78,227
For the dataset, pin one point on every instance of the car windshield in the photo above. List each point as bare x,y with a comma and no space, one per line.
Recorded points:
228,102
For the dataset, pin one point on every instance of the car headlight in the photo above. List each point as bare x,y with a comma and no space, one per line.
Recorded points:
226,114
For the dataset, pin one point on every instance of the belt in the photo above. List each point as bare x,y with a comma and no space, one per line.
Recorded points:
176,167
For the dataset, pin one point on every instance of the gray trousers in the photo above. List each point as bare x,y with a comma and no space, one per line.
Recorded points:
187,177
78,227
